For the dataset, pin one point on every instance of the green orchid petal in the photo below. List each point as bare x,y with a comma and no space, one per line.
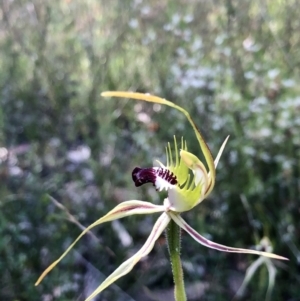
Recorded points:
178,168
210,244
128,265
220,152
122,210
150,98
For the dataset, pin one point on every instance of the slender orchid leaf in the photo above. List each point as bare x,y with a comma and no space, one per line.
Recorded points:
128,265
150,98
210,244
122,210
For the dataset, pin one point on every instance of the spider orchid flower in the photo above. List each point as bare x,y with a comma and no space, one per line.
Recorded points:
266,245
187,182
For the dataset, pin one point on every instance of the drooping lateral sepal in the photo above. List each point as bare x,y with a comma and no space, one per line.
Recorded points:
128,265
251,271
210,244
122,210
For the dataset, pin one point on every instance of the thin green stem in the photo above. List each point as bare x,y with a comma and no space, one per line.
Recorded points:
174,242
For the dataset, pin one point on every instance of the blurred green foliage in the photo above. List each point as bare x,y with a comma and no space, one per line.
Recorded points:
233,64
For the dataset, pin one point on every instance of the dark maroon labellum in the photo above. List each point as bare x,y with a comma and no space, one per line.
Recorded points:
142,176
